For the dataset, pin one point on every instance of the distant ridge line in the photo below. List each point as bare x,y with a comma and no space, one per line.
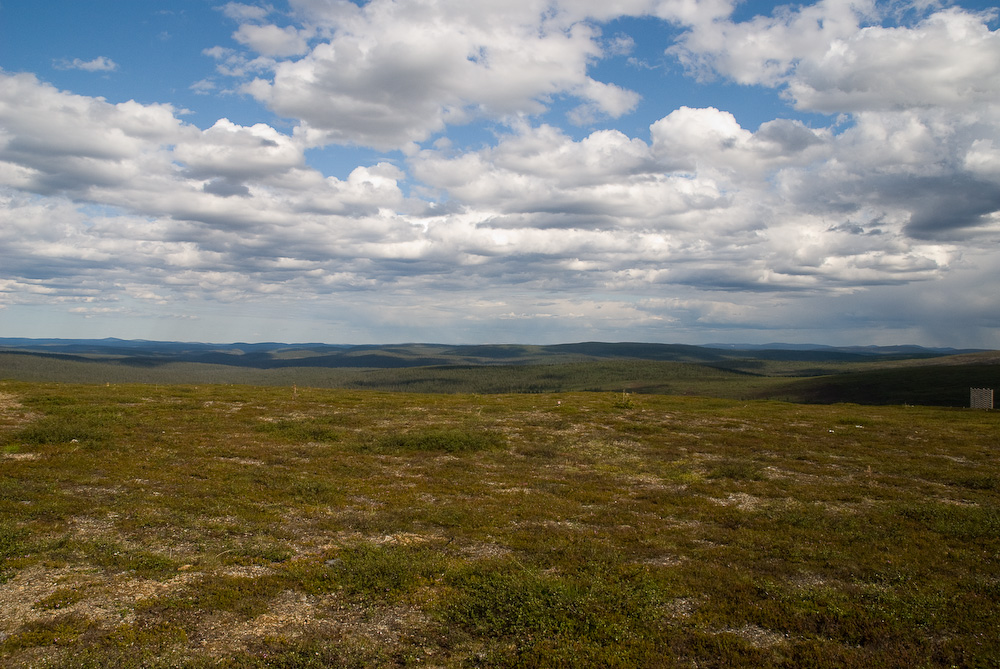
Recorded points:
590,347
802,373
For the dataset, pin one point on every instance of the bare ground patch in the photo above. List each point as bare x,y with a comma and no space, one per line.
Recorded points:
756,636
28,597
741,500
12,413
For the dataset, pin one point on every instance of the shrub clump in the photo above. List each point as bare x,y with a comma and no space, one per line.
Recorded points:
439,440
608,618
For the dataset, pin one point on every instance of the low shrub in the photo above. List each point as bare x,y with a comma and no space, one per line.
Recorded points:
11,545
441,440
609,618
384,572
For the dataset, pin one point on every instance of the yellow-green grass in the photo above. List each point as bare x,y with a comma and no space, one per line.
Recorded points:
239,526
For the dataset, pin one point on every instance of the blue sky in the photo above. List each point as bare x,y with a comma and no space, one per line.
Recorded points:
527,171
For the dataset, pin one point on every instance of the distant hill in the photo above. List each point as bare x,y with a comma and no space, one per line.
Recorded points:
903,349
941,381
797,373
270,355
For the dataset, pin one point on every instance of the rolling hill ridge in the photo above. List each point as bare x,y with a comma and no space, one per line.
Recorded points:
797,373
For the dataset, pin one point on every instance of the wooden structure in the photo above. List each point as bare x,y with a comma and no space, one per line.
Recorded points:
981,398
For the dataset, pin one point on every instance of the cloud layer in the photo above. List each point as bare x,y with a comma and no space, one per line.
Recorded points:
694,225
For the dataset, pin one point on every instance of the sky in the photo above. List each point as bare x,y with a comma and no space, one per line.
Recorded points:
501,171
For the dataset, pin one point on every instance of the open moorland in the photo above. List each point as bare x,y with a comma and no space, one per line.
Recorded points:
210,525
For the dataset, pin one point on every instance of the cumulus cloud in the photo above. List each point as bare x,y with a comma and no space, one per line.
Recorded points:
832,57
983,159
235,152
143,159
766,49
272,41
394,72
703,202
922,98
694,221
949,60
53,141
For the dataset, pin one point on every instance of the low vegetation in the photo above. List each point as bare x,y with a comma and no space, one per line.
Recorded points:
239,526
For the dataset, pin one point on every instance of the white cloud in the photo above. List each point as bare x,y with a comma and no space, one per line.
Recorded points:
395,72
698,223
231,63
704,203
694,12
57,141
620,45
99,64
983,159
234,152
707,204
143,159
243,12
949,60
922,97
711,142
766,49
203,86
272,41
828,59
